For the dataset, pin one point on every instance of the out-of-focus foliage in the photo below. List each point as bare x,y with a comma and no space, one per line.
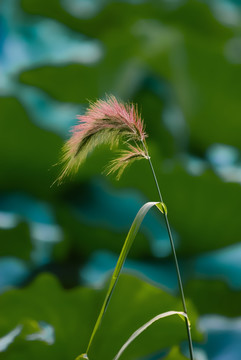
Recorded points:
27,152
16,242
186,46
205,294
180,62
72,315
175,355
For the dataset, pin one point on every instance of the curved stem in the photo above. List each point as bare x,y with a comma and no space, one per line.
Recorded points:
174,255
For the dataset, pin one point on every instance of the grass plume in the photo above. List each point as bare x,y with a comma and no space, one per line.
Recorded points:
105,121
126,157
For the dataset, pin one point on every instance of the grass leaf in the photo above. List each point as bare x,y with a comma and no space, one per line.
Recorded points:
124,252
145,326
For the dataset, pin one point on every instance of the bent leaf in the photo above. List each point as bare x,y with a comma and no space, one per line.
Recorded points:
145,326
162,207
124,252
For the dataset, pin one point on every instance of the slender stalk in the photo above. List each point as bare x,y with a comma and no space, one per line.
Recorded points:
174,254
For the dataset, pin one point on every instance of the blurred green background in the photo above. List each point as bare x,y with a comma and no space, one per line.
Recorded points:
180,61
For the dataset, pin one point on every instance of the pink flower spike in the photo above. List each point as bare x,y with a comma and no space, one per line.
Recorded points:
105,121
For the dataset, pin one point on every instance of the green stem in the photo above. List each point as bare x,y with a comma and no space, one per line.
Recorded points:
174,254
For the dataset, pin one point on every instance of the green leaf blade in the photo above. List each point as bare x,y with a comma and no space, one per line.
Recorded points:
124,252
145,326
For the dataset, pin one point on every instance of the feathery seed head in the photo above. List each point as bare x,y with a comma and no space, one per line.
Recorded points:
126,157
105,121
